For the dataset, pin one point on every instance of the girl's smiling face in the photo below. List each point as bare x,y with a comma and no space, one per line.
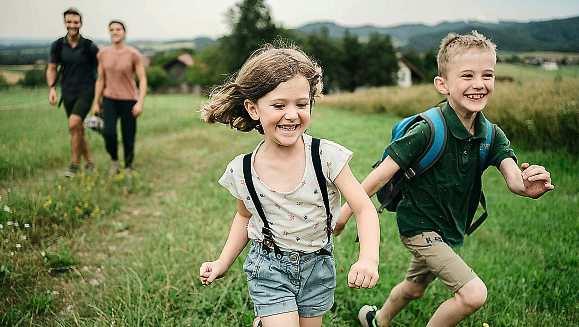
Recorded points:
284,112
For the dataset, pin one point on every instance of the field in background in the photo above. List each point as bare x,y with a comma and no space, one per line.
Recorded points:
539,109
126,250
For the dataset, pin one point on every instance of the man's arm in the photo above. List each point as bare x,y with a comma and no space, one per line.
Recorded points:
51,81
98,89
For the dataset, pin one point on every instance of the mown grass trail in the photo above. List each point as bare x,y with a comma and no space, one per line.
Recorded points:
135,263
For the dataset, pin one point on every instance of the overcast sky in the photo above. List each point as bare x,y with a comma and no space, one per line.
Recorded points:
166,19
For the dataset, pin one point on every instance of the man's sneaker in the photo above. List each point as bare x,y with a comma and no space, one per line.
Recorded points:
367,316
72,170
89,167
114,169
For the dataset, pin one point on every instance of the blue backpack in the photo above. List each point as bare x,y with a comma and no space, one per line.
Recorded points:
389,195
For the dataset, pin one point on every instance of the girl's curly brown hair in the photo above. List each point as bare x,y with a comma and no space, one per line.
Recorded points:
263,71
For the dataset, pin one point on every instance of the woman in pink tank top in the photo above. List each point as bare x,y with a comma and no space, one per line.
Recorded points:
117,95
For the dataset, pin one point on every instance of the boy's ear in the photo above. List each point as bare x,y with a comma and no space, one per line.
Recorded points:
440,85
251,109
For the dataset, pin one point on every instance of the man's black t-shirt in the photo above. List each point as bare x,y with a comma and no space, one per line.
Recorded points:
78,65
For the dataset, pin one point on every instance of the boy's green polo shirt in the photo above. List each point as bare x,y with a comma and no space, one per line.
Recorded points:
445,196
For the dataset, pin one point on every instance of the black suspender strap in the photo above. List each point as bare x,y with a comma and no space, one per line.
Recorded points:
267,234
322,183
247,176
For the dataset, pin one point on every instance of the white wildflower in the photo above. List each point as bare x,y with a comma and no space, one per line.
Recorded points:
12,253
18,245
9,223
1,226
7,209
26,225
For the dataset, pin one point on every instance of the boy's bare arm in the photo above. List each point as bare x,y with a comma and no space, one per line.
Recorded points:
533,181
371,184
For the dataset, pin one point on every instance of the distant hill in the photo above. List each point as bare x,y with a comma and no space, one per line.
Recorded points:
550,35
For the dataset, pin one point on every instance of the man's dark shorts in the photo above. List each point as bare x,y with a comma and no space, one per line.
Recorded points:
78,104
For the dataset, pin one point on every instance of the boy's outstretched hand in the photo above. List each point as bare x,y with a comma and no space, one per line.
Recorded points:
210,271
363,274
537,180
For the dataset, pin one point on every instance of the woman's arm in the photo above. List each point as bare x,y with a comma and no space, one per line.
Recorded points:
235,243
98,89
364,273
142,77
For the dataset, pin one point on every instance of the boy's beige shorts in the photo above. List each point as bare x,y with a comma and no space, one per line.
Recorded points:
433,258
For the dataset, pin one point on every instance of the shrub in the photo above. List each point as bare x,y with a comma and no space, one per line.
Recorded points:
34,78
157,78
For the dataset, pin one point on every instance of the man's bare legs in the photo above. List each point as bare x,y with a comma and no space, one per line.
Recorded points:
78,144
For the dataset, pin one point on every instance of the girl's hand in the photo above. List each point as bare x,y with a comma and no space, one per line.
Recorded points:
363,274
210,271
537,180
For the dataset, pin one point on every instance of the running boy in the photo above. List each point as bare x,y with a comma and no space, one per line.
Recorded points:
436,206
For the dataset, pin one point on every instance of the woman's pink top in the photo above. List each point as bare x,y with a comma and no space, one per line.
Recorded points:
119,66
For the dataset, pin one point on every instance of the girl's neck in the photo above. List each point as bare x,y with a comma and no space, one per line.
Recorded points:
275,151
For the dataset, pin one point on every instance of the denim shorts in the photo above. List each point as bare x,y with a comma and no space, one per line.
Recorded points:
294,281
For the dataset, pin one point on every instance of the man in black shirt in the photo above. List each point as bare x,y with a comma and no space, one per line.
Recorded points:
76,57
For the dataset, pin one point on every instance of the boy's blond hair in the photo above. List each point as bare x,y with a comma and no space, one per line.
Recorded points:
453,44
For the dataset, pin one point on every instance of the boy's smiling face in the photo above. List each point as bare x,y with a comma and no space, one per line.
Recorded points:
469,80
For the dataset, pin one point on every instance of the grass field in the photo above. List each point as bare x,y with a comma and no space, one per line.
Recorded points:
125,251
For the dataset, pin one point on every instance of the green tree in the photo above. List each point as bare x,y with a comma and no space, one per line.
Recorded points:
429,65
251,26
327,53
351,62
33,78
380,65
156,78
3,82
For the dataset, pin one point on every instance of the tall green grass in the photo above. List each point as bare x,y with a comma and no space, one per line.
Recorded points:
136,263
540,109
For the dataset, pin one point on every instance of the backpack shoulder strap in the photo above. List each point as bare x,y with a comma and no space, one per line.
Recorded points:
322,183
436,143
486,144
267,233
